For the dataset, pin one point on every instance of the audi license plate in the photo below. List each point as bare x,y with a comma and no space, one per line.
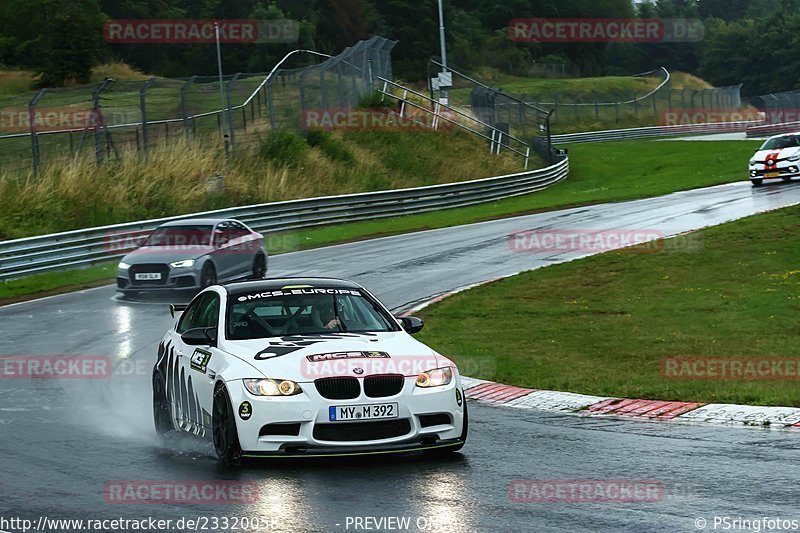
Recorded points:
340,413
148,276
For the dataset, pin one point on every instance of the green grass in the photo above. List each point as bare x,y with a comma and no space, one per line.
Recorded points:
602,172
602,325
57,282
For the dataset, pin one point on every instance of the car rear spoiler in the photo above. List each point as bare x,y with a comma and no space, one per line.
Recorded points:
177,308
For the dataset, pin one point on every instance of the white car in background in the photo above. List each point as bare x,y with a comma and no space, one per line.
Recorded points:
304,367
778,157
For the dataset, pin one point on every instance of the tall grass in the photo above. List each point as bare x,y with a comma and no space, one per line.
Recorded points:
173,179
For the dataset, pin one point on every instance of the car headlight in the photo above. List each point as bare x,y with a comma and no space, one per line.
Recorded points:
123,266
435,378
794,158
183,264
752,162
272,387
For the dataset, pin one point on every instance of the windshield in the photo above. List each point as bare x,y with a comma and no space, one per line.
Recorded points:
305,312
190,235
786,141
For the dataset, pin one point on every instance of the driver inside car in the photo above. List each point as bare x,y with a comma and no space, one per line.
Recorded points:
324,315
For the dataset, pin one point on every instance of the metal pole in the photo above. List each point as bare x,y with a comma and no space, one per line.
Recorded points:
34,138
221,92
443,48
143,107
184,106
229,111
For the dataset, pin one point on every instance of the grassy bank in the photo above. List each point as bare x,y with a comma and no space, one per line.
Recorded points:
174,179
603,325
603,172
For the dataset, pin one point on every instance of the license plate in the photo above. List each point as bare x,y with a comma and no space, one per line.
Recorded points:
148,276
772,174
339,413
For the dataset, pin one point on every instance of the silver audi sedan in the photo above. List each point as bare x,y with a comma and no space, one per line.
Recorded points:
193,254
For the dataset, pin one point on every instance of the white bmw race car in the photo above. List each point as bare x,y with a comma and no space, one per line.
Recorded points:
304,367
778,157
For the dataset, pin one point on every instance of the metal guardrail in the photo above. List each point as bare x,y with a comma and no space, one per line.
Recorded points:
765,130
452,116
72,249
652,131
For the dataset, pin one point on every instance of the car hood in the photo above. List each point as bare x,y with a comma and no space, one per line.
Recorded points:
306,358
165,254
783,153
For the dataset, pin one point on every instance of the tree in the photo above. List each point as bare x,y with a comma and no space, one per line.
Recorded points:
60,40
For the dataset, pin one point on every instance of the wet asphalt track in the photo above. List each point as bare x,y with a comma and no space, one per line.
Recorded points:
62,440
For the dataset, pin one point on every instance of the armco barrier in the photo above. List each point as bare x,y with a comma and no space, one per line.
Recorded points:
765,130
71,249
651,131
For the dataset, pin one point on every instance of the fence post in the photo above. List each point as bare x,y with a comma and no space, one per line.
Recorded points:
92,121
340,85
143,107
34,138
231,125
302,92
322,93
184,106
270,105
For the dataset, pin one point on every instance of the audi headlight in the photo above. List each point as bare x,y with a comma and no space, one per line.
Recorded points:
123,266
795,158
272,387
752,162
183,264
435,378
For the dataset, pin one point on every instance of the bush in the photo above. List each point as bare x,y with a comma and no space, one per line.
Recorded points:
333,149
283,147
376,100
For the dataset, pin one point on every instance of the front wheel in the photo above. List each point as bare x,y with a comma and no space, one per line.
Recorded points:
209,276
757,182
786,178
226,437
259,267
161,417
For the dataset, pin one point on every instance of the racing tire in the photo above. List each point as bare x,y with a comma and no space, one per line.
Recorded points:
449,450
259,267
223,423
208,276
757,182
161,416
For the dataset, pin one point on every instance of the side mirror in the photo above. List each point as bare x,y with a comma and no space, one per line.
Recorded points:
412,324
200,336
